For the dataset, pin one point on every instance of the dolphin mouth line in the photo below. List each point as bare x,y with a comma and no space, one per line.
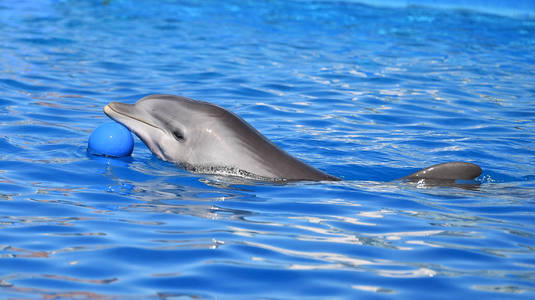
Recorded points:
109,107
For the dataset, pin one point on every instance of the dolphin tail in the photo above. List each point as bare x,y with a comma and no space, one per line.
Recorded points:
449,171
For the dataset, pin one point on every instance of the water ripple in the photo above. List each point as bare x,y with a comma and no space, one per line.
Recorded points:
368,94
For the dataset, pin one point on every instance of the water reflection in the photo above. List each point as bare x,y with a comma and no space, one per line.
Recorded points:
381,267
375,289
211,212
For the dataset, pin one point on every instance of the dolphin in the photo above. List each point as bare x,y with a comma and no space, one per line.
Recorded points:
206,138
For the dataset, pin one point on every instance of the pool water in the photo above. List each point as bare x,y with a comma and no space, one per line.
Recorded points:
368,94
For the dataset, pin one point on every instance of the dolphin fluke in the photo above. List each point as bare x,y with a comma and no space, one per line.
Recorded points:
447,171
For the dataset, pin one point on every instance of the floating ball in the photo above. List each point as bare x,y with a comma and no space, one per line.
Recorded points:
111,139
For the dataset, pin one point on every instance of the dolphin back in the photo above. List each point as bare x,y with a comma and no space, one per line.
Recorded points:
447,171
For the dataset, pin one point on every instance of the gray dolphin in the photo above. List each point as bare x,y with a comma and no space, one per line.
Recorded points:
205,138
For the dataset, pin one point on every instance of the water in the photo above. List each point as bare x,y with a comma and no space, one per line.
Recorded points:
365,93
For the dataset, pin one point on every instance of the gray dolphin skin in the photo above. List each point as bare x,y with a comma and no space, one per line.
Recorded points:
447,171
205,138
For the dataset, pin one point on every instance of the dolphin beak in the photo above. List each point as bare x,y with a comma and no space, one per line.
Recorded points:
124,109
121,111
126,114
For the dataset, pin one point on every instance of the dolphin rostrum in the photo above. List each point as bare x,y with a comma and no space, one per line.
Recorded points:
206,138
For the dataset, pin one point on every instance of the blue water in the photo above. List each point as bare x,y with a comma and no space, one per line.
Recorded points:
368,94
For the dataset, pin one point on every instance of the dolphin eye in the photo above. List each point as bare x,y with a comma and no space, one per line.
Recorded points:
178,135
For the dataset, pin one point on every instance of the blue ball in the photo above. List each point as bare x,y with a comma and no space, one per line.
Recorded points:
111,139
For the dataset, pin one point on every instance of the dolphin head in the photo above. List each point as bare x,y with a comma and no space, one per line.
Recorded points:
175,128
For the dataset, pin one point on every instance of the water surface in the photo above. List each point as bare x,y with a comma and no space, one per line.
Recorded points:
365,93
